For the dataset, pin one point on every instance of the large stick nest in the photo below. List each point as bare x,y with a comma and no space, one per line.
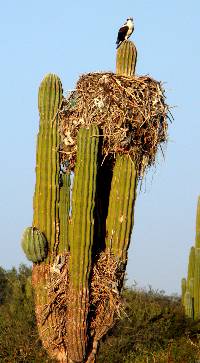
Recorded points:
130,111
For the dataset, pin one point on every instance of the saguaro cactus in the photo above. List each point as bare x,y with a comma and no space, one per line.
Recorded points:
191,295
76,293
197,284
183,289
191,273
188,304
197,238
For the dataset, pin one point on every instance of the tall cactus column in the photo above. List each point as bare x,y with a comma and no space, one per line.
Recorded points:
48,198
123,189
197,265
119,220
81,234
191,286
121,205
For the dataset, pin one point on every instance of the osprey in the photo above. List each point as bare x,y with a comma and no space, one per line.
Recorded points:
125,31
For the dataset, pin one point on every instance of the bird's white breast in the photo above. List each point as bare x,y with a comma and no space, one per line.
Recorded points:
130,27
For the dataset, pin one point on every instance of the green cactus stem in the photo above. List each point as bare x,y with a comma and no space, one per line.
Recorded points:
121,207
191,269
34,244
183,289
46,203
197,284
122,196
123,188
197,239
126,59
46,198
191,263
188,305
81,234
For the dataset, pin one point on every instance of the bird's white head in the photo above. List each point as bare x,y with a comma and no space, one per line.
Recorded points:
130,24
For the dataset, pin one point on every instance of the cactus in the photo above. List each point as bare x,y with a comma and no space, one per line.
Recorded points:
191,269
126,59
188,304
119,221
183,289
48,203
71,323
197,285
34,244
191,263
197,238
121,204
191,294
46,198
122,196
81,240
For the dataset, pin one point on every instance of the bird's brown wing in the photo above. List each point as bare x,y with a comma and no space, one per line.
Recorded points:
122,33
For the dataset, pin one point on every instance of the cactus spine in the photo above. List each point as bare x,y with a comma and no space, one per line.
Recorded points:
126,59
81,240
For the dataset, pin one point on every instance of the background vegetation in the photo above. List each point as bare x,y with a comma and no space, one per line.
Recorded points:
152,327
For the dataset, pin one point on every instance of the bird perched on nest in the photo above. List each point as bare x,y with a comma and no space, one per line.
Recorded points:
125,31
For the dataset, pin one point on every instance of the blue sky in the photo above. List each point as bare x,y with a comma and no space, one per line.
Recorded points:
71,38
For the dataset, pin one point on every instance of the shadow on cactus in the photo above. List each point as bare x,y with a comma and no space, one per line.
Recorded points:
107,131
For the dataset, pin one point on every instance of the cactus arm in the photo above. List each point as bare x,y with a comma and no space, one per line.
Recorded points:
123,188
197,239
126,59
81,241
191,263
183,289
188,304
197,285
46,209
120,212
46,197
122,195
